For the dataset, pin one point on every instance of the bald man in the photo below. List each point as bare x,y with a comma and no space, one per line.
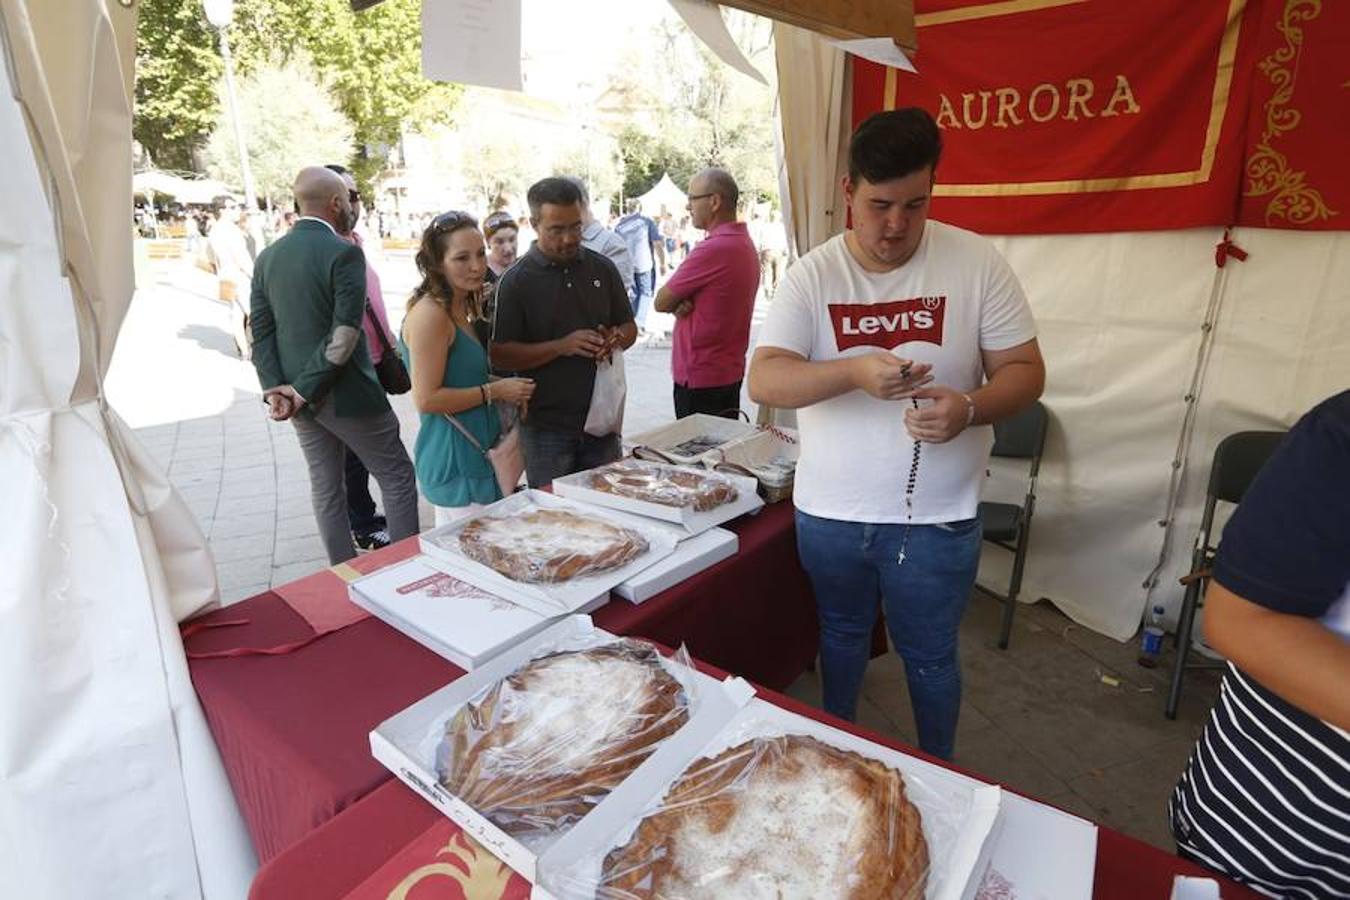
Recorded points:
712,295
309,297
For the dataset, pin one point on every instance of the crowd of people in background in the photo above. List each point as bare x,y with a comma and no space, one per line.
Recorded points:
511,312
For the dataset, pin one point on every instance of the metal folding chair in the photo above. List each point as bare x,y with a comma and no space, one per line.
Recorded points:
1006,524
1237,459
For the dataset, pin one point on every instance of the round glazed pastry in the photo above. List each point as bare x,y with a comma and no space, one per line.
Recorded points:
549,545
543,745
665,485
777,817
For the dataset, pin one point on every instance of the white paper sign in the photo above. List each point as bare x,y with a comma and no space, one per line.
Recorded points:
879,50
472,42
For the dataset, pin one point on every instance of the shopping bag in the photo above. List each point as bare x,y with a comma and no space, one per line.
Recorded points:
607,397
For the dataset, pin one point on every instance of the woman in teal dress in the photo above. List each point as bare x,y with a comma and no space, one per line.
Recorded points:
449,369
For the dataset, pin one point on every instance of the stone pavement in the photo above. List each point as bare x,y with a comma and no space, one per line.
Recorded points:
1038,717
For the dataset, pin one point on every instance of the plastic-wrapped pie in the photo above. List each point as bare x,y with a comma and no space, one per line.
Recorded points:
777,817
540,747
549,545
665,485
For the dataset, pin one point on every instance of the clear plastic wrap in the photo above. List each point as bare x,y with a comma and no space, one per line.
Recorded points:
663,484
770,456
547,546
535,751
778,807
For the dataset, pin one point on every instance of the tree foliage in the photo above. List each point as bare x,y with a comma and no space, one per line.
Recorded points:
290,121
648,155
372,61
692,111
177,68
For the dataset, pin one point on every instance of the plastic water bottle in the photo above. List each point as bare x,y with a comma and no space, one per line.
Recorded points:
1150,644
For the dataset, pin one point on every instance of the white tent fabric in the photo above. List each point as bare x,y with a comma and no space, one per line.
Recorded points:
110,784
813,91
1122,318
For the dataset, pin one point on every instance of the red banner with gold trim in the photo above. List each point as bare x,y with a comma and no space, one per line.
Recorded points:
1095,115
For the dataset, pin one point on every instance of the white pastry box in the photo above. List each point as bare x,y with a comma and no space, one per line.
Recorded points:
687,441
691,556
408,743
958,811
1036,851
452,618
442,545
577,487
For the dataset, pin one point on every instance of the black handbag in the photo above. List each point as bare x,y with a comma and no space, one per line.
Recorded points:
390,370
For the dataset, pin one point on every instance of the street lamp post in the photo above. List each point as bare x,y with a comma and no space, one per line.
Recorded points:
220,13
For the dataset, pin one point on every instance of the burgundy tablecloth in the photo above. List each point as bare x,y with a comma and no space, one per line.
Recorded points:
334,859
293,728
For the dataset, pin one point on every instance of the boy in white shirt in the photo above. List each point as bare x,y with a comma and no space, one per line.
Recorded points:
899,341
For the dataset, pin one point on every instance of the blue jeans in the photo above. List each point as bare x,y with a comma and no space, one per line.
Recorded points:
550,453
644,283
852,566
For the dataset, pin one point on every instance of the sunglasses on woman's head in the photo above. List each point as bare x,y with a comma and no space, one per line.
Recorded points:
452,219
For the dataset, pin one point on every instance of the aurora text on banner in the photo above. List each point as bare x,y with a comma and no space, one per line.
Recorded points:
1092,116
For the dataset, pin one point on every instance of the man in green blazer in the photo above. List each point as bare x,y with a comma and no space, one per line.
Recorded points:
309,296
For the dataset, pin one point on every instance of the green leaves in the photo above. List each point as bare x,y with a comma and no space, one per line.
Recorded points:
290,121
371,62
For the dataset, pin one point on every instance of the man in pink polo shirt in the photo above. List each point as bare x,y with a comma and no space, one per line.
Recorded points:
712,295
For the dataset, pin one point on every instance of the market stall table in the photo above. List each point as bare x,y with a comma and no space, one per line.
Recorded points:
292,722
395,838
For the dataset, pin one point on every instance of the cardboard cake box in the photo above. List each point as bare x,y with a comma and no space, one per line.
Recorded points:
463,623
691,556
577,487
406,743
688,441
548,599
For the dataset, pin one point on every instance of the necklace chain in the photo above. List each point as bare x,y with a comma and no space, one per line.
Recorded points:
909,487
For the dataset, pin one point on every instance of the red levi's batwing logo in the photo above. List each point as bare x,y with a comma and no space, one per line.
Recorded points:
890,324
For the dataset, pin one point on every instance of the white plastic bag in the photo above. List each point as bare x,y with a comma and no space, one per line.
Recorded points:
607,398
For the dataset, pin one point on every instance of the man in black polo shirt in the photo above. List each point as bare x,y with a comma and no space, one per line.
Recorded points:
560,309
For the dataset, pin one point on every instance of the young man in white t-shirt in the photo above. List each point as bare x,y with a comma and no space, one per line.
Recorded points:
899,341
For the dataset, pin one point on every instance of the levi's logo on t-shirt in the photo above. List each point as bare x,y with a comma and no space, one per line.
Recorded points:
888,325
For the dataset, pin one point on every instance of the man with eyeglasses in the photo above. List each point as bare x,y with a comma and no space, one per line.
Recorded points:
309,299
561,310
712,295
369,528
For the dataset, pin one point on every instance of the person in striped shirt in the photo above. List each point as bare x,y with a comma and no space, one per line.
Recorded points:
1265,798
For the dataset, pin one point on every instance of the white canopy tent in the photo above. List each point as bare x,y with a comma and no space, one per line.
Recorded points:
664,197
103,751
186,190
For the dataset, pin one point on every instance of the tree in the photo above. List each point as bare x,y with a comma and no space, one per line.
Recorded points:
595,160
290,121
177,67
372,60
686,110
647,156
